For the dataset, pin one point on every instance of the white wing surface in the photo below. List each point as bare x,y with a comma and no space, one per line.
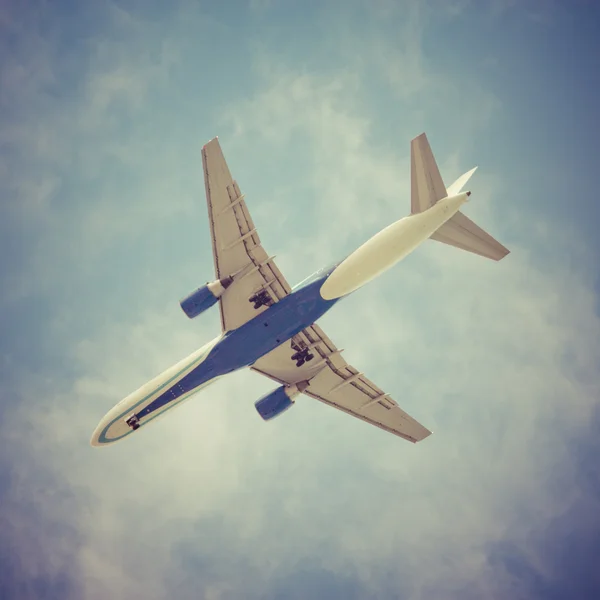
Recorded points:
236,246
334,382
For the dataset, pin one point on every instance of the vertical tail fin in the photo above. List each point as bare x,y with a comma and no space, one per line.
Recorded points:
427,187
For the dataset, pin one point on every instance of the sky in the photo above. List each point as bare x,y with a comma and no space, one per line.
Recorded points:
104,108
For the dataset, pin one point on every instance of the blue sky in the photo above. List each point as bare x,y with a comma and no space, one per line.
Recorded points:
104,109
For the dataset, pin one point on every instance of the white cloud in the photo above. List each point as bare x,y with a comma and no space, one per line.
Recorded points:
479,347
78,154
499,359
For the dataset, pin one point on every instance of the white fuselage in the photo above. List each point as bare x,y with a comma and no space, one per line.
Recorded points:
374,257
389,246
113,426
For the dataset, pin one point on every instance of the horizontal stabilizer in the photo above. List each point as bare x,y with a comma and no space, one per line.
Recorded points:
462,233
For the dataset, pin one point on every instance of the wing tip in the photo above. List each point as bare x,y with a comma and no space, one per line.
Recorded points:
424,436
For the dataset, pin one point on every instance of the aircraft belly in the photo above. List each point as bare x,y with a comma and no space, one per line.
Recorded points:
236,349
283,320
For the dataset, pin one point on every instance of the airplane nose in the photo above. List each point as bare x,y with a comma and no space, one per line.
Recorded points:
108,429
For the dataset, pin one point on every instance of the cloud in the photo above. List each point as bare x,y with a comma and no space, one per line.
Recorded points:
499,359
76,160
496,348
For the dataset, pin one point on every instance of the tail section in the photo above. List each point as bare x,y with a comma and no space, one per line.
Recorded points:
427,187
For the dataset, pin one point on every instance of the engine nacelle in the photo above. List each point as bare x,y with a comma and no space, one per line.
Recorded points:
203,298
274,403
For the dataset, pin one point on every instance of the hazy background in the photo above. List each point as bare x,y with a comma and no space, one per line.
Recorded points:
104,107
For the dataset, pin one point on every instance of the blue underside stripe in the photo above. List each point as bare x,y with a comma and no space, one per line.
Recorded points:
105,440
237,349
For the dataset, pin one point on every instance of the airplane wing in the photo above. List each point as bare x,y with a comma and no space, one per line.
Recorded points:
237,249
334,382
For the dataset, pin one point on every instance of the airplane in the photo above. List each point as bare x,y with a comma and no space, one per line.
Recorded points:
271,327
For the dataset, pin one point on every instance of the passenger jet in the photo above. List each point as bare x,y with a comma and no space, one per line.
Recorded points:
271,327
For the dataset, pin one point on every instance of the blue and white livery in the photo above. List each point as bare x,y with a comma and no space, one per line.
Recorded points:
270,327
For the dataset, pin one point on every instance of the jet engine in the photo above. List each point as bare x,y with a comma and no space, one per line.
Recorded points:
274,403
203,298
